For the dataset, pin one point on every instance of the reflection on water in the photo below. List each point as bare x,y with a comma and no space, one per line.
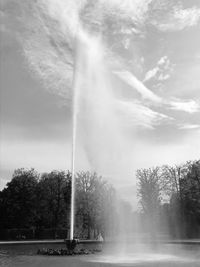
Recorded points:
140,258
161,256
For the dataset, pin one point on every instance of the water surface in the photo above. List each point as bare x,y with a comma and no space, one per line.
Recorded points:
142,256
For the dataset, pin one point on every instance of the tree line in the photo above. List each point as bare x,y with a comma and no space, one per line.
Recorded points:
169,198
31,203
34,205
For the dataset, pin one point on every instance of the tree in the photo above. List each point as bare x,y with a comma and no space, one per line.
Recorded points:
86,200
173,177
94,198
52,190
190,188
175,191
149,192
37,202
19,199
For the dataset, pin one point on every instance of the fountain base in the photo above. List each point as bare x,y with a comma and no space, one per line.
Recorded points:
71,244
72,249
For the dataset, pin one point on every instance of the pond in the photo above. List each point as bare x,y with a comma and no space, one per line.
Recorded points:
160,255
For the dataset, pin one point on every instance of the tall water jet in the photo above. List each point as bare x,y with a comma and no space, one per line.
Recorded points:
79,40
74,122
74,129
81,56
93,95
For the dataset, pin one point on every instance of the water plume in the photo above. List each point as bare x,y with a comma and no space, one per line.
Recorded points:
93,98
66,44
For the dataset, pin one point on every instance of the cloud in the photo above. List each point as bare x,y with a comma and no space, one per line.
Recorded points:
151,74
163,77
190,106
49,38
162,70
178,19
55,73
47,43
189,126
132,81
135,10
137,114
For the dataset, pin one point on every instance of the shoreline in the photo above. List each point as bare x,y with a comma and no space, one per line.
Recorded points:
61,241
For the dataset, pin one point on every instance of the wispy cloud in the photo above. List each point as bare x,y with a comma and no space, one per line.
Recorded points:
47,43
135,10
132,81
161,72
139,115
151,74
190,106
178,19
189,126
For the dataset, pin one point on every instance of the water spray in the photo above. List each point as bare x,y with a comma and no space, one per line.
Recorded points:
75,88
74,126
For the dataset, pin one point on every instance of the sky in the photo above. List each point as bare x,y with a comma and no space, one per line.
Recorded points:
143,103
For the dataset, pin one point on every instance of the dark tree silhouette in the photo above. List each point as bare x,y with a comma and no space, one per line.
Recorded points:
18,199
